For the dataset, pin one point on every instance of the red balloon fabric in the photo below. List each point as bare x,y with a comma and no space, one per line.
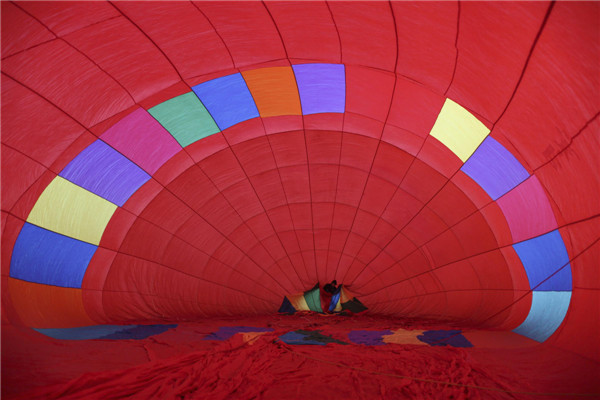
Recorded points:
183,161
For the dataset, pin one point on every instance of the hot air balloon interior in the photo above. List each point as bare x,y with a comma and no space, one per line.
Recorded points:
296,199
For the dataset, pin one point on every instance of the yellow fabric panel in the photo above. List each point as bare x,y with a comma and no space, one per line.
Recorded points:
72,211
459,130
299,302
403,336
338,306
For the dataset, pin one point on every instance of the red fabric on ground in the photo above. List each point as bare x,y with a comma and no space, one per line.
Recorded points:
271,369
180,363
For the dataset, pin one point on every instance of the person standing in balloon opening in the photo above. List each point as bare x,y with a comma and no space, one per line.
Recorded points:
331,295
330,287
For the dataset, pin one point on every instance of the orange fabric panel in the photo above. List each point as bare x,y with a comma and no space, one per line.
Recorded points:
44,306
274,91
403,336
8,313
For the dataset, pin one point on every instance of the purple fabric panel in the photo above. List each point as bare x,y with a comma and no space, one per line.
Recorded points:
143,140
444,338
322,87
225,332
105,172
494,168
371,338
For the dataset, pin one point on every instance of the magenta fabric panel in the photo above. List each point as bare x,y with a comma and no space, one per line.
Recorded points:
143,140
528,210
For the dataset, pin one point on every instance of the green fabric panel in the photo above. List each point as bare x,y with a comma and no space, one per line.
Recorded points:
313,299
186,118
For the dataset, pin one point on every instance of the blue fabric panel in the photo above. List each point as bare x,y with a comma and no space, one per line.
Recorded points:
43,256
138,332
82,333
287,307
334,300
453,338
371,338
227,99
494,168
548,310
104,171
322,87
542,256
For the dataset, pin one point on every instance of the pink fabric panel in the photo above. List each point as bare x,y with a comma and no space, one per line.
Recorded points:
528,210
143,140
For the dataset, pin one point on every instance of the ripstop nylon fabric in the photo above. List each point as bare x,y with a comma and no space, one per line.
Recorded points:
194,159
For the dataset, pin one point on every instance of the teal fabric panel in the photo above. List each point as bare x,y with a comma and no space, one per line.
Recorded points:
548,310
186,118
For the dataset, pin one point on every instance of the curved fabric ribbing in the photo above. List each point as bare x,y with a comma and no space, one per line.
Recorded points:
257,170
